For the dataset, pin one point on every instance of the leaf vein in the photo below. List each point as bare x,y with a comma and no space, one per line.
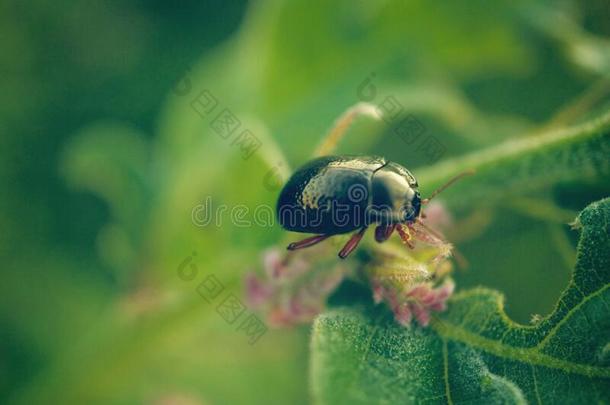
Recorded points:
446,372
521,354
535,384
554,329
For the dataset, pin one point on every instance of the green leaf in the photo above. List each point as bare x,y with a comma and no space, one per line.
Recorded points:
526,164
474,352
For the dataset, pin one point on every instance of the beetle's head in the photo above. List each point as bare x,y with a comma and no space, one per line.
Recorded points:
395,190
412,207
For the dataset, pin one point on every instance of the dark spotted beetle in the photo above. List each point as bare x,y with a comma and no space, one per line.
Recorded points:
334,195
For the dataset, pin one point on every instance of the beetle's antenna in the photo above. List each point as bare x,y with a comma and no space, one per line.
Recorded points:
465,173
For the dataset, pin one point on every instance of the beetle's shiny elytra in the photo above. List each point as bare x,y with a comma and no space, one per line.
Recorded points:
339,194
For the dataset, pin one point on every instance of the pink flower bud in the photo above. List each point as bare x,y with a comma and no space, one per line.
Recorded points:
257,292
419,291
378,293
272,263
402,314
429,298
421,314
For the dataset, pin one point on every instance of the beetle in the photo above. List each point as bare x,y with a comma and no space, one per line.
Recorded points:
333,195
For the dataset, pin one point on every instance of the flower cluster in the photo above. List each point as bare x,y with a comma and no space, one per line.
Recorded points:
415,301
292,289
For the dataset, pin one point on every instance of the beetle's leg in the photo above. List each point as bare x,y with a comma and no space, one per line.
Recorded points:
307,242
332,138
405,236
351,243
383,232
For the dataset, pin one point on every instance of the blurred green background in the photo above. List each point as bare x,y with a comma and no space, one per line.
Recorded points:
103,159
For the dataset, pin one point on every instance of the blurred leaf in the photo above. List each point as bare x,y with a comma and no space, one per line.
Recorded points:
584,49
112,160
474,352
298,89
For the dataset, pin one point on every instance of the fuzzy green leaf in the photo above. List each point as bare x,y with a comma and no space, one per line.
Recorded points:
474,352
526,164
